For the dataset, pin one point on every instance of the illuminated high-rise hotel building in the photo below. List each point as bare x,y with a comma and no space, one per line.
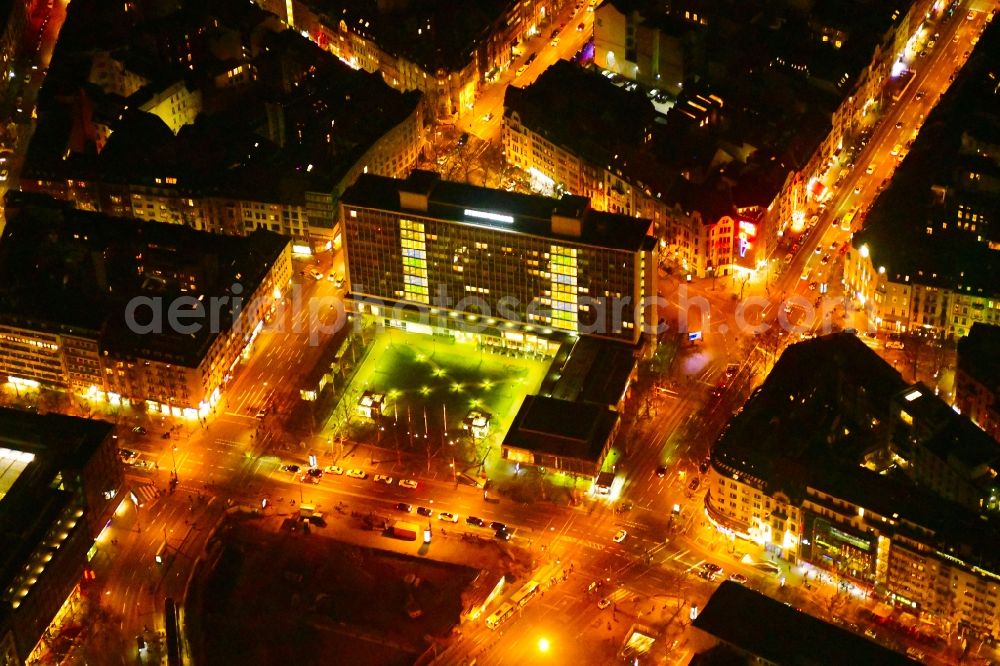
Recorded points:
524,268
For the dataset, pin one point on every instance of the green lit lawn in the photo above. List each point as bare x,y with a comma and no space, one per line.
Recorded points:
418,371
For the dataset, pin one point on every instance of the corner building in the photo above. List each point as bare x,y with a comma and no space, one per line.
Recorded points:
467,254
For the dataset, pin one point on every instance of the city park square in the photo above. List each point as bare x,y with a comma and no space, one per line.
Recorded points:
437,395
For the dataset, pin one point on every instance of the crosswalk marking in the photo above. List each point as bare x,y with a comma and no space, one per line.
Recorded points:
146,494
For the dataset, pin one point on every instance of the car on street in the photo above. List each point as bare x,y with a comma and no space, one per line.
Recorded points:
915,653
382,478
871,169
521,70
139,430
818,249
661,471
290,468
857,190
503,535
333,469
473,520
497,525
920,93
579,28
448,517
594,586
604,603
825,259
619,536
695,482
404,507
126,454
711,566
738,578
899,125
704,465
707,575
408,483
315,472
424,511
463,139
3,175
315,274
308,478
357,474
554,42
488,117
970,15
261,413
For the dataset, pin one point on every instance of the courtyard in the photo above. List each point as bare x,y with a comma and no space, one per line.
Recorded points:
429,383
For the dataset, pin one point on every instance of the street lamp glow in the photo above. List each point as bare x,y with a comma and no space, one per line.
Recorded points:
543,645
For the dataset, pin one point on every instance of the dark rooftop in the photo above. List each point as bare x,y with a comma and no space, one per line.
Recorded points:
561,427
979,355
65,269
934,179
596,371
817,415
779,634
531,214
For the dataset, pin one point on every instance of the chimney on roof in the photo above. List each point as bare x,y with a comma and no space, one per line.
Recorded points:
415,192
567,216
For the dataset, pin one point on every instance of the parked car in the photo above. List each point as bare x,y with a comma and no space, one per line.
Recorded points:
290,468
357,474
497,525
333,469
661,471
704,465
619,536
315,472
424,511
695,482
382,478
738,578
408,483
473,520
603,603
448,517
139,430
404,507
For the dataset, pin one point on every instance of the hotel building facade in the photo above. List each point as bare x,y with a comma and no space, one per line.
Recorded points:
521,268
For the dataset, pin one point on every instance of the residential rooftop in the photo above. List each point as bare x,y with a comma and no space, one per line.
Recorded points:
271,141
561,428
498,209
779,634
434,34
955,151
69,270
824,408
979,355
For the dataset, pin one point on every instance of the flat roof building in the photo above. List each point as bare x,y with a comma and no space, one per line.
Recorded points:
469,254
561,435
59,477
